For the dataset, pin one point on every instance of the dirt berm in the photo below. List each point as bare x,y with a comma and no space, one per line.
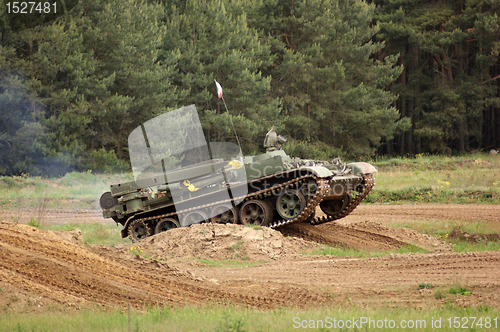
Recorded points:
41,265
40,269
225,242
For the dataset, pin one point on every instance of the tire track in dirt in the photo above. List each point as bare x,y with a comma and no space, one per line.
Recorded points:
68,269
39,262
335,234
422,212
396,270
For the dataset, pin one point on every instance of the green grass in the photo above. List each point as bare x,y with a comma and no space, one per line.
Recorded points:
238,246
220,318
470,178
436,179
256,227
459,290
442,229
423,162
73,190
34,223
465,246
425,285
350,252
94,233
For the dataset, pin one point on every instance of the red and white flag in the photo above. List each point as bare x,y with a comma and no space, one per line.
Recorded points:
219,89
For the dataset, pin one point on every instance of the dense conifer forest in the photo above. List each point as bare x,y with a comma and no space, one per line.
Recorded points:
346,78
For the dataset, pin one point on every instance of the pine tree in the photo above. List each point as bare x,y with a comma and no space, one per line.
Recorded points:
332,88
93,76
447,56
213,43
124,38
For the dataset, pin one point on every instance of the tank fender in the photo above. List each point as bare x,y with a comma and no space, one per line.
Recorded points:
319,171
124,231
362,168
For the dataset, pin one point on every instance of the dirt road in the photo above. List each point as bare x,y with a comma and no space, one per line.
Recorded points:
424,212
39,269
377,213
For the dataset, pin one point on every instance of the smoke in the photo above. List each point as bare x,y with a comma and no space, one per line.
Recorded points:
25,145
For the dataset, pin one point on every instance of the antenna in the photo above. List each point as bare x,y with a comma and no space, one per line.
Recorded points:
220,94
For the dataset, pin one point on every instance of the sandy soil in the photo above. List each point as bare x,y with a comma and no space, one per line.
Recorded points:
40,269
377,213
424,212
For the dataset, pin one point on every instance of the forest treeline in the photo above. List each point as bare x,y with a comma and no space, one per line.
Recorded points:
336,77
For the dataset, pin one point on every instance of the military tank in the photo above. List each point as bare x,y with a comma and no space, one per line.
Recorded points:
181,179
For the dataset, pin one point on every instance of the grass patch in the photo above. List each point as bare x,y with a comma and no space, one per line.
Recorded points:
73,190
423,162
350,252
442,230
466,246
256,227
98,234
425,285
34,223
437,179
439,293
237,246
139,251
217,318
231,263
459,290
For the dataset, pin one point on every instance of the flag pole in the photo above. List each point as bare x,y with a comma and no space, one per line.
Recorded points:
220,94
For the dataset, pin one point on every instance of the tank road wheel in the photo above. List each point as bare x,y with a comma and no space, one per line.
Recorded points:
166,224
194,217
224,214
333,207
256,212
290,204
138,230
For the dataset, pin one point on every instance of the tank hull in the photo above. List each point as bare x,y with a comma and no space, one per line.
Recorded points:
213,182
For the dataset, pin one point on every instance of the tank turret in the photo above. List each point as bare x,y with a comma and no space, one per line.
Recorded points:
273,141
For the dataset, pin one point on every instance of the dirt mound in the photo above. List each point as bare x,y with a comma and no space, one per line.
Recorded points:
70,236
41,271
39,264
365,235
228,242
402,235
222,242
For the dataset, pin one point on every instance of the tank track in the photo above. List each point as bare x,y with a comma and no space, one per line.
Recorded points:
322,190
323,186
368,184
